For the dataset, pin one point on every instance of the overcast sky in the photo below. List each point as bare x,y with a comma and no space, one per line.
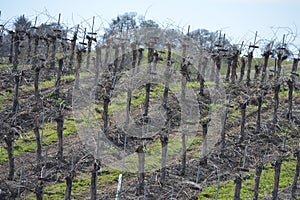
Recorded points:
239,19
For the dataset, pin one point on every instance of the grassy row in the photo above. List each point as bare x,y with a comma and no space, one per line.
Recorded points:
80,185
226,190
27,142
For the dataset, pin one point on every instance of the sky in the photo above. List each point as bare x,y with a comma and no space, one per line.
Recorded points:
238,19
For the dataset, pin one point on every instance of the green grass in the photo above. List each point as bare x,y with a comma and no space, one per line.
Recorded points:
138,98
27,143
80,185
284,92
3,66
154,150
4,98
47,84
226,190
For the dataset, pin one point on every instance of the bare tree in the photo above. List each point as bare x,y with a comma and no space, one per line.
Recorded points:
297,172
218,61
73,45
29,36
184,71
98,62
249,60
238,186
276,101
38,140
10,137
291,85
9,140
249,63
259,109
141,167
148,85
80,51
11,49
201,69
94,177
140,57
37,68
266,56
58,77
90,38
69,181
235,60
277,170
223,124
229,65
164,137
242,69
52,39
258,172
59,128
15,70
243,107
257,68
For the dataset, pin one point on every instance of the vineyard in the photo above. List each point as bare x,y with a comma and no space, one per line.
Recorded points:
136,110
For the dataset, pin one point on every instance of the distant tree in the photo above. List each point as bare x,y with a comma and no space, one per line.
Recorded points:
148,23
207,39
22,23
122,23
126,22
